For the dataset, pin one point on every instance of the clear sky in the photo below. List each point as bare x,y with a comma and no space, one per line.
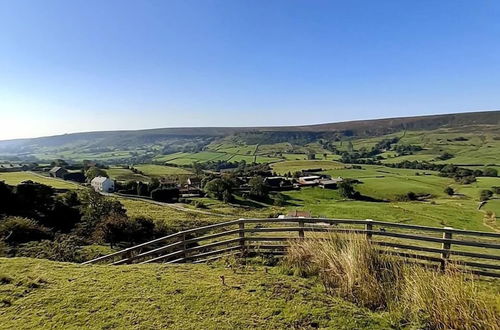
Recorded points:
68,66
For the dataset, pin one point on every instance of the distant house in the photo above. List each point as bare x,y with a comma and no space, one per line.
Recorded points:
194,182
102,184
330,183
311,180
58,172
299,214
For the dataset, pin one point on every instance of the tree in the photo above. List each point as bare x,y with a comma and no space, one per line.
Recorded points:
490,172
220,188
279,200
350,147
258,189
484,195
59,162
165,194
197,169
142,189
94,172
95,208
346,189
449,191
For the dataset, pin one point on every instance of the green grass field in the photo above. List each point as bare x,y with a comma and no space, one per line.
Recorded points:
124,174
460,214
37,294
161,170
299,165
14,178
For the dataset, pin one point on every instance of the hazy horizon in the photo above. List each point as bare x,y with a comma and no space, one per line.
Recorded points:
84,66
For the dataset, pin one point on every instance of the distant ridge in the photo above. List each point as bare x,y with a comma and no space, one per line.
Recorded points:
373,127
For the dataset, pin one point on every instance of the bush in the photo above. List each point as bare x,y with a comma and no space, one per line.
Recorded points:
165,194
17,230
484,195
449,191
119,229
199,205
64,248
496,190
490,172
410,196
279,200
346,189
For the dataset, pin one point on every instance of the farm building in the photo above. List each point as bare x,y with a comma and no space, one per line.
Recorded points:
58,172
194,182
330,183
278,183
311,180
103,184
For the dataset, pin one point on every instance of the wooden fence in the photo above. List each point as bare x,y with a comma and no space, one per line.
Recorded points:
478,252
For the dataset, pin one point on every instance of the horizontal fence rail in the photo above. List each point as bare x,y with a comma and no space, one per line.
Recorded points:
474,251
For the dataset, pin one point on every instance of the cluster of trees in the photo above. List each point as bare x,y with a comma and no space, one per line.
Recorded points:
460,174
36,222
223,188
154,189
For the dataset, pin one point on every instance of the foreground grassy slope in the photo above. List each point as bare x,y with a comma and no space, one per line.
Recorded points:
44,294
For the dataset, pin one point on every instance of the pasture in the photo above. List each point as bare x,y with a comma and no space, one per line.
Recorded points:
15,178
124,174
300,165
161,170
34,293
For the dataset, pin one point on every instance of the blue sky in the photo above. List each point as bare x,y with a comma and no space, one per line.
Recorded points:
68,66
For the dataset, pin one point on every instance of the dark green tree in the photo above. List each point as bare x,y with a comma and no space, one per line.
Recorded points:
258,189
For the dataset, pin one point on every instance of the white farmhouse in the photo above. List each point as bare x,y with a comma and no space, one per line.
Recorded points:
103,184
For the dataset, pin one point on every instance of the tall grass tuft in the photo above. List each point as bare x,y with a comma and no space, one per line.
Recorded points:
446,301
349,266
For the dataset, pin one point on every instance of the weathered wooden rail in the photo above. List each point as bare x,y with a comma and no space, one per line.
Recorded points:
440,246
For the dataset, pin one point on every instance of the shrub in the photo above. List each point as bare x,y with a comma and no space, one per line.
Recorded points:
17,230
279,200
258,189
449,191
199,205
165,194
346,189
64,248
118,228
445,156
490,172
484,195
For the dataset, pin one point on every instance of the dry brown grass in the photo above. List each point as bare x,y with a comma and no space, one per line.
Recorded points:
352,268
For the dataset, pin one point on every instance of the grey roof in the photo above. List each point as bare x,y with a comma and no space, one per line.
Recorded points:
55,169
99,179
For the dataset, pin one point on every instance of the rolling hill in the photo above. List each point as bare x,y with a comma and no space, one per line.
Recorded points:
146,145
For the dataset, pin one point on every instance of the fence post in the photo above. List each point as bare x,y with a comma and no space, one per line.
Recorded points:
369,228
445,255
301,231
183,247
241,233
